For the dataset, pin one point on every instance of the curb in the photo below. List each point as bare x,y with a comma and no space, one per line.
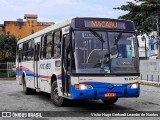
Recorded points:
144,82
12,78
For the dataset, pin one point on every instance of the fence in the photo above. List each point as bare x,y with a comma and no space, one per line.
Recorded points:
7,69
150,70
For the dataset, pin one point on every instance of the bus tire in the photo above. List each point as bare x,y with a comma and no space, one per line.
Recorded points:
109,101
57,100
26,90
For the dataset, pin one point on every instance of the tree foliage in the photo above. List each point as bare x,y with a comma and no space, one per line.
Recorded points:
7,48
145,15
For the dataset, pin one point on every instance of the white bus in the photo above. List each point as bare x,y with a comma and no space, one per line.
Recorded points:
81,58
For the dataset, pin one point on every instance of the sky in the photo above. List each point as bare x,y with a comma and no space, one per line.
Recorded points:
59,10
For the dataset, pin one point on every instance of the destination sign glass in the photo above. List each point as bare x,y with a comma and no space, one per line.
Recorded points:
104,24
90,35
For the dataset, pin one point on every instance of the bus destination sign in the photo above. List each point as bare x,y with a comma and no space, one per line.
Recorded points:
105,24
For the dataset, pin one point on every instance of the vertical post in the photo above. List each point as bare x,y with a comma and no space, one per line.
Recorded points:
7,70
145,48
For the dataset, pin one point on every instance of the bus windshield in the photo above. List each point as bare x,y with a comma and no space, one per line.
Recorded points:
107,52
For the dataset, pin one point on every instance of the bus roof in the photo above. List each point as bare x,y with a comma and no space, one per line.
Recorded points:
46,30
82,22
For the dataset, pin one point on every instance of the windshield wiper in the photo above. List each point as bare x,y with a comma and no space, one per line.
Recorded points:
118,38
116,42
97,35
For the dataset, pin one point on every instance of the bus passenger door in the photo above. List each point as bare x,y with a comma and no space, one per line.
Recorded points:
36,64
66,65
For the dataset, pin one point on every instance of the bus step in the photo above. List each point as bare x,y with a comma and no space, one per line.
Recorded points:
67,94
37,90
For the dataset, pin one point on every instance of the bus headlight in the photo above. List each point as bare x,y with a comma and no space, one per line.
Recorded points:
83,86
133,85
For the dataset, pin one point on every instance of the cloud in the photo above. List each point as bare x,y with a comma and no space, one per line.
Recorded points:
58,10
3,1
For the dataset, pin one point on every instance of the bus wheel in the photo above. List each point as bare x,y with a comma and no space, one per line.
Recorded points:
26,90
110,101
57,100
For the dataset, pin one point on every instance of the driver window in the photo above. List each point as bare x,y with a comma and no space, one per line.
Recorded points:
123,48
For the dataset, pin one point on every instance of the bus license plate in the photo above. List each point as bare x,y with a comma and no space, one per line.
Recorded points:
110,94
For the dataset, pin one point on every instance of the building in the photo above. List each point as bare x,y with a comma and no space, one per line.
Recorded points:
21,28
148,48
143,46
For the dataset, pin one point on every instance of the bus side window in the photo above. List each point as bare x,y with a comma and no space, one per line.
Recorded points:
30,50
46,43
25,51
49,43
43,52
56,52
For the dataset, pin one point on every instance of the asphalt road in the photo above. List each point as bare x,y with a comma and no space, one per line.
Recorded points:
13,99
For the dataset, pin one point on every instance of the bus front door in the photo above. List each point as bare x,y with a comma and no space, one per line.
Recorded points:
36,63
65,65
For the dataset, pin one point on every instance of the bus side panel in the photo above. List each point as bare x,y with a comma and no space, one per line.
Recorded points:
46,69
43,75
27,68
56,70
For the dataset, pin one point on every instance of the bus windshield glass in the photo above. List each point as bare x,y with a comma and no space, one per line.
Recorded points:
105,52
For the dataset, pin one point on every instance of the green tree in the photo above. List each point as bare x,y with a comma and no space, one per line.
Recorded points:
7,48
145,15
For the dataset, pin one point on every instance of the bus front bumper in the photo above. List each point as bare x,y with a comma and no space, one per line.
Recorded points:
99,93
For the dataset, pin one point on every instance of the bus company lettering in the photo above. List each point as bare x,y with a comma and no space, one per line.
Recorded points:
45,66
104,24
